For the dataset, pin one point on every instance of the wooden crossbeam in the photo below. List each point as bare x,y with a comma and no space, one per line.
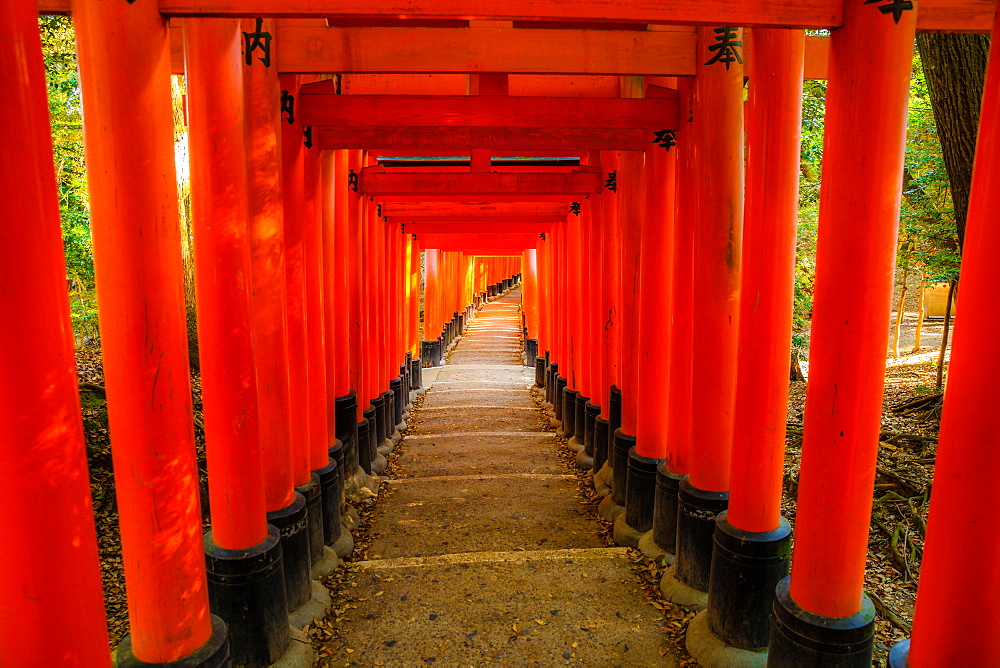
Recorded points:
933,16
433,211
446,221
318,106
554,141
473,226
512,242
380,184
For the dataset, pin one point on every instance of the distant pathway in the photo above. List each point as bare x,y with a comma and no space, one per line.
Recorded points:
482,554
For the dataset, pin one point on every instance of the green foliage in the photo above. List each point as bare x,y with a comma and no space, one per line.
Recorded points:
59,52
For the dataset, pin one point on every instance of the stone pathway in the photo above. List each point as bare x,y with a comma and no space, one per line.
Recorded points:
482,554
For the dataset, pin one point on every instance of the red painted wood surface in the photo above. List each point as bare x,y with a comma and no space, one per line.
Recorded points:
473,184
476,227
852,301
219,212
956,615
415,140
718,104
631,208
325,108
124,61
52,577
503,221
609,268
774,119
269,301
439,211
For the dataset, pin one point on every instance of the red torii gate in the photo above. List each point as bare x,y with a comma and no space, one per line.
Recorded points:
125,61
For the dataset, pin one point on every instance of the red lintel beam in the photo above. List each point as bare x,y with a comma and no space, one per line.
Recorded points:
452,221
319,105
462,140
480,184
415,210
477,227
934,16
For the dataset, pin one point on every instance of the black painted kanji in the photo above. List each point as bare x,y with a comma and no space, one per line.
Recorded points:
352,180
288,106
378,208
542,236
665,138
575,208
727,49
258,39
894,7
612,182
307,132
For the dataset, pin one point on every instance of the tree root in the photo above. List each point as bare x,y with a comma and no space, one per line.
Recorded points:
888,614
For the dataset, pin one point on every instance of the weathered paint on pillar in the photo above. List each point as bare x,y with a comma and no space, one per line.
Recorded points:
124,58
774,119
870,60
219,210
956,618
718,106
269,302
53,612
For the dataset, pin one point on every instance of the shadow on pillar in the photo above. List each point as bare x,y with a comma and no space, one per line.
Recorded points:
686,583
640,496
213,654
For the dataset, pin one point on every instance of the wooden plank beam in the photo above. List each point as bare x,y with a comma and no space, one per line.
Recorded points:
377,183
467,50
391,111
454,221
475,227
429,210
459,141
934,15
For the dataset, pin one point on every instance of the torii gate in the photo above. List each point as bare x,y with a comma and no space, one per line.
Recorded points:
340,267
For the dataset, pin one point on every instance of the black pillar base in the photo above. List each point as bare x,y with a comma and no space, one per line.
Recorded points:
800,638
591,412
371,414
364,454
337,454
602,442
531,350
560,389
899,655
213,654
398,400
292,523
539,372
551,373
427,353
416,377
569,412
580,418
331,489
746,568
665,508
615,410
246,589
346,421
695,532
381,419
314,515
621,444
439,347
640,491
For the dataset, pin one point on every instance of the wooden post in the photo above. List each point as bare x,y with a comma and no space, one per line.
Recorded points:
870,59
124,57
52,578
956,616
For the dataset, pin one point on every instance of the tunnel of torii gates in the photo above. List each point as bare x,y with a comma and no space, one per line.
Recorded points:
338,155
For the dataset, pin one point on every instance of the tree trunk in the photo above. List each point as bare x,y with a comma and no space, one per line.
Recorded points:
908,246
920,313
955,67
944,335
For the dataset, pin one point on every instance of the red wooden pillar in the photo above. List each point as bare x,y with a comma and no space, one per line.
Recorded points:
717,104
530,300
269,277
53,613
752,540
431,345
124,57
870,58
413,336
956,616
293,211
222,269
354,232
573,370
655,301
